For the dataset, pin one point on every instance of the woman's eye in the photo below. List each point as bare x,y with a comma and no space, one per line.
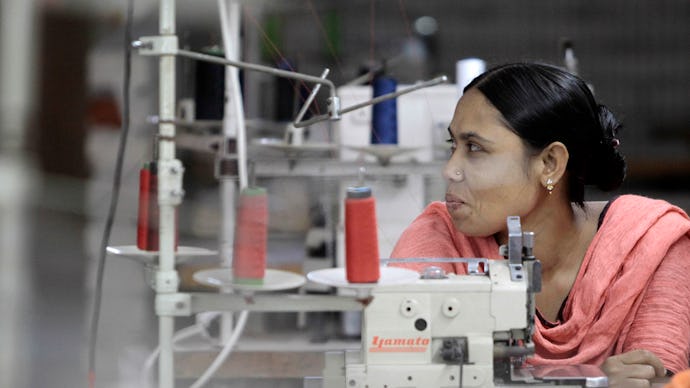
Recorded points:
469,146
472,147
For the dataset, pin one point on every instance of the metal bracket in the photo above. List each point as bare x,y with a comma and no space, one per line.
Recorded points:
170,189
473,266
174,304
517,272
225,167
166,281
157,45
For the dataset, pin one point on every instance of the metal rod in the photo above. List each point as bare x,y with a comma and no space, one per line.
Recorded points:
273,302
260,68
166,361
311,97
334,112
313,120
421,85
376,70
388,96
230,27
230,12
385,261
338,169
166,147
366,77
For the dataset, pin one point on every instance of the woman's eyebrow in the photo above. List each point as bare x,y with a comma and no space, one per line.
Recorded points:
470,135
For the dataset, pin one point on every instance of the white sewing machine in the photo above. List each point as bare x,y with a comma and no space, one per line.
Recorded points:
447,330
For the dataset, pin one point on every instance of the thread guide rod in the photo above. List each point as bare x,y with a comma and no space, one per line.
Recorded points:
311,97
162,46
388,96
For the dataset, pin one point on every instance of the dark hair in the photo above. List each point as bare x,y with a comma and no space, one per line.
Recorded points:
543,104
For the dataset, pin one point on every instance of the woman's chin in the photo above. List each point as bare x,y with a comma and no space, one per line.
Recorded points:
465,226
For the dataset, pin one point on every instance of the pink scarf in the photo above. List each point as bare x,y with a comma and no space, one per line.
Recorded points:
620,262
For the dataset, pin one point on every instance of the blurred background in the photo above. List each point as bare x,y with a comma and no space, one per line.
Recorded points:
61,75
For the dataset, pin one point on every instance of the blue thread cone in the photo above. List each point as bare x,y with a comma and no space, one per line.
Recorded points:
384,118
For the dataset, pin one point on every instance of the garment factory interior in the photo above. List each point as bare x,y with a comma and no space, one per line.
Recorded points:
61,83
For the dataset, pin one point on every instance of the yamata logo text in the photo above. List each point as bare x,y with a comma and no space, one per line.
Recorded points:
399,345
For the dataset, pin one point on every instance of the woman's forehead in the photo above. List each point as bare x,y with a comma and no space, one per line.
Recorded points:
475,114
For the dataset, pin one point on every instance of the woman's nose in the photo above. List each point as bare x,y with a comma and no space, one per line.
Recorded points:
452,172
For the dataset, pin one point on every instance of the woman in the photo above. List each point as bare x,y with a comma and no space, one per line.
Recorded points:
525,140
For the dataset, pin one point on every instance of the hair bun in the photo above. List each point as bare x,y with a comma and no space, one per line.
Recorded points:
607,167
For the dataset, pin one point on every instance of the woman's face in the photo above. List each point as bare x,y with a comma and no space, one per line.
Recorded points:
490,174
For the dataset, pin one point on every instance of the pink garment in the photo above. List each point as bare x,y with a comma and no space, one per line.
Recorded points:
632,290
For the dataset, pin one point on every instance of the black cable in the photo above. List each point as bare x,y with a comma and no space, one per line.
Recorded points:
117,179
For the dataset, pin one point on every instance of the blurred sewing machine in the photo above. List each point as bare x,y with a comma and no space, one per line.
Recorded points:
447,330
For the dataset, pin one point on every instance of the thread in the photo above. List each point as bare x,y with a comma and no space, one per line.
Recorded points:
148,214
384,117
251,233
361,240
153,236
144,203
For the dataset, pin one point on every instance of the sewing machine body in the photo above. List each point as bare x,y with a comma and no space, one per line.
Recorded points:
405,324
459,331
447,330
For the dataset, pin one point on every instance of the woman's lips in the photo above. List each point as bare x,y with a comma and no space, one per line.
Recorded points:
454,198
453,201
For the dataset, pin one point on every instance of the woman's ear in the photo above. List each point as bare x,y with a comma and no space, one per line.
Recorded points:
554,160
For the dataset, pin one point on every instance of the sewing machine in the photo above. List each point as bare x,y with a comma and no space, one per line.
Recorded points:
447,330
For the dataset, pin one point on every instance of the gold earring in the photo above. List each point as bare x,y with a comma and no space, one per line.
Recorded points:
549,185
